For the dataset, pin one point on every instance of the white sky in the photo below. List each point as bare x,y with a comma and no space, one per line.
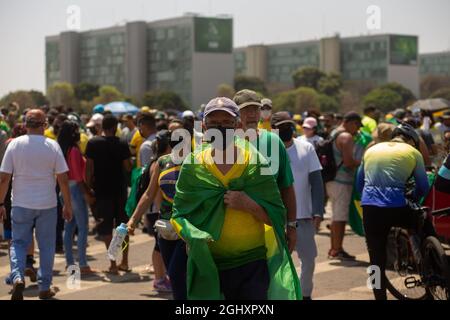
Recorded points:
24,24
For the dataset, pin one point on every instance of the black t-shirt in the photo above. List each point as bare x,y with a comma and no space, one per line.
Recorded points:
108,154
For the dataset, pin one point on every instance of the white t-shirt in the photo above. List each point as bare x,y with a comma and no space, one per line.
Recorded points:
304,160
34,160
146,152
314,140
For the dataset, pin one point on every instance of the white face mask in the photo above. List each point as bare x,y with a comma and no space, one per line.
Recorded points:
265,114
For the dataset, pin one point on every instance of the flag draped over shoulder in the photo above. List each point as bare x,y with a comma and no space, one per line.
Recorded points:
198,217
132,201
355,219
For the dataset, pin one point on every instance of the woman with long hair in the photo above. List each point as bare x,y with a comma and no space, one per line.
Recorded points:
68,139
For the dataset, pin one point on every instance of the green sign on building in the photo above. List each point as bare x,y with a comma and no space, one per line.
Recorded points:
404,50
213,35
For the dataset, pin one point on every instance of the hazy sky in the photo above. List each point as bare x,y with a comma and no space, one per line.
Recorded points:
24,24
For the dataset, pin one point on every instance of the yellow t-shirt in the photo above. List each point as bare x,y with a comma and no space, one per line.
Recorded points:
265,125
241,231
49,133
84,139
135,143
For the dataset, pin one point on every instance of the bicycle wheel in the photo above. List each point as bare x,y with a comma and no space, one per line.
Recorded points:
403,279
436,270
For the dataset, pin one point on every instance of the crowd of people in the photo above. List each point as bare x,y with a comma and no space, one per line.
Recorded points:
228,192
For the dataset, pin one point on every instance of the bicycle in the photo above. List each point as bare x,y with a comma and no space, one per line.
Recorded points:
417,267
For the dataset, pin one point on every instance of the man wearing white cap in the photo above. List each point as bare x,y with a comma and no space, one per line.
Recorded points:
188,123
310,131
95,125
266,114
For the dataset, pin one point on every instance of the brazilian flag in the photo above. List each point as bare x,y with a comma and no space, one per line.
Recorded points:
355,219
198,217
132,201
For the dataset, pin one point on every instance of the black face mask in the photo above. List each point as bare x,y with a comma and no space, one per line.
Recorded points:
225,143
162,126
286,134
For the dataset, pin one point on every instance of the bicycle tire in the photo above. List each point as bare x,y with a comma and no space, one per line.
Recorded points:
404,263
436,269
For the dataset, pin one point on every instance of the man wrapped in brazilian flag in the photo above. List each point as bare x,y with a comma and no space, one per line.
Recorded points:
232,218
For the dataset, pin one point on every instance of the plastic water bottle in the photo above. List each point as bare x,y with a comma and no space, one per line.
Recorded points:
116,243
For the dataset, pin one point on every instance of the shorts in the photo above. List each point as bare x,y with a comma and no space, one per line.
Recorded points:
340,196
111,212
247,282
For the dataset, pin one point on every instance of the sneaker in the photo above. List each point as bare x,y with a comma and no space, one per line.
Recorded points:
149,270
31,273
162,285
17,291
340,255
47,294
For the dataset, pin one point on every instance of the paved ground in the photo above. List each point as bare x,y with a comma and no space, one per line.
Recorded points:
333,279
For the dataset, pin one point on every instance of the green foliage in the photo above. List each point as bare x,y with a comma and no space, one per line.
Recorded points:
25,99
330,85
384,99
307,77
406,94
225,90
61,94
86,91
163,100
252,83
297,101
328,103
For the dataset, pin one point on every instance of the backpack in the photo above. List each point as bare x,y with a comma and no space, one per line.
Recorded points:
325,154
143,181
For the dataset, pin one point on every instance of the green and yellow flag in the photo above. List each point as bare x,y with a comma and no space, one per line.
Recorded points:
355,218
198,217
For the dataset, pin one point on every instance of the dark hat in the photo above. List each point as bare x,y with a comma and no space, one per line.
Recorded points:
352,116
246,97
280,118
222,104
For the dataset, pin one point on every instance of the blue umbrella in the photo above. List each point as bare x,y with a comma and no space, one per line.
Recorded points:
121,107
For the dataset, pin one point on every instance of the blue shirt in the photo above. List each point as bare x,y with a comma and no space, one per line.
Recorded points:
384,172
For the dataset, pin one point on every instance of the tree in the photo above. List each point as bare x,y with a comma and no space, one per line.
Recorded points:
297,100
330,84
61,93
307,77
252,83
163,100
384,99
86,91
225,90
431,84
406,94
328,103
23,98
441,93
108,94
39,98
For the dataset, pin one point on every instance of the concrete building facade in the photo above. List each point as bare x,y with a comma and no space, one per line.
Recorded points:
378,59
437,64
190,55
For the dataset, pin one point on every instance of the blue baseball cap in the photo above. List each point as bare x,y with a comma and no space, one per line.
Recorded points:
222,104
